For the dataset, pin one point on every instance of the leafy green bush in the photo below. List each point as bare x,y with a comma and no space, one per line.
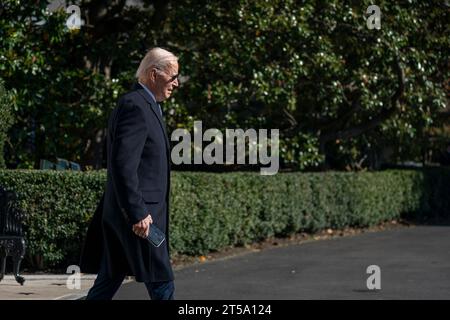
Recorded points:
6,118
210,211
58,207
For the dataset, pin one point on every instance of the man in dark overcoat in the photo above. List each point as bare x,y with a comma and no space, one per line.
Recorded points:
137,189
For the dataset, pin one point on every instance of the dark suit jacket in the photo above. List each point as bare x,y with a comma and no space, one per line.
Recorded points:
138,183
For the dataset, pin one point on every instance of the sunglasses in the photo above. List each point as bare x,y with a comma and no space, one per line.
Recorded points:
172,78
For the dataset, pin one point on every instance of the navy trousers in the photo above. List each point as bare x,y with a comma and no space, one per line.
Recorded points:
105,288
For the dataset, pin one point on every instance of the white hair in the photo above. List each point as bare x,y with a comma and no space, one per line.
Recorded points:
157,58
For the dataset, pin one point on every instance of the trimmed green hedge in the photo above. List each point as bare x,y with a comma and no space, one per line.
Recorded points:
210,211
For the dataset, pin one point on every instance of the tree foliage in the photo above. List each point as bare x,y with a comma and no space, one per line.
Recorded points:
6,118
314,69
341,94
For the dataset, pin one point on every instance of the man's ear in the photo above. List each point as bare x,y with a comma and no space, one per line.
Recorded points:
152,74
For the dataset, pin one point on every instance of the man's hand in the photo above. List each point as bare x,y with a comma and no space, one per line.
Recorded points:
141,228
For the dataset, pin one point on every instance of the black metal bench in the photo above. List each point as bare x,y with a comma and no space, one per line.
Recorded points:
12,242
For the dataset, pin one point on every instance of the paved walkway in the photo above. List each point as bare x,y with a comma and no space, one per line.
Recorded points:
43,287
414,264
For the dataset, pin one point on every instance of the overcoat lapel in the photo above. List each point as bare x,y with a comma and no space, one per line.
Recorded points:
155,109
